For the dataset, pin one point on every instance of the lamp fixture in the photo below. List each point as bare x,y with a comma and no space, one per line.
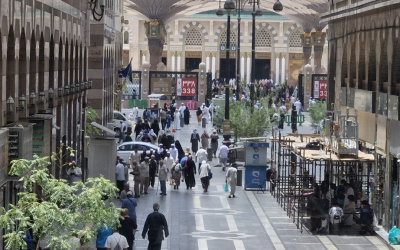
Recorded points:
229,5
220,12
22,102
10,105
42,96
90,84
93,5
60,91
72,88
258,11
50,94
145,73
32,98
278,6
66,90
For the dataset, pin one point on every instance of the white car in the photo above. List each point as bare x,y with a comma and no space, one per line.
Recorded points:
118,116
125,149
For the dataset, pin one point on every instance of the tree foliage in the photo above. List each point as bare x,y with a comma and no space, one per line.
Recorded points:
53,209
91,116
246,121
317,113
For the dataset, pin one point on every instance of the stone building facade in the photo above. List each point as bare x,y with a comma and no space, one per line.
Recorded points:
45,75
201,38
364,79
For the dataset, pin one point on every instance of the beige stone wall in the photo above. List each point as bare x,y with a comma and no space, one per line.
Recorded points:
212,28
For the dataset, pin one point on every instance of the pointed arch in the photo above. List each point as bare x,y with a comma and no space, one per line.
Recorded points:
196,24
269,28
193,36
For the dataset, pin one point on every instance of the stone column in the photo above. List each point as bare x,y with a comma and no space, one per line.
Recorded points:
208,62
173,61
201,95
242,67
178,62
155,32
213,66
277,67
318,38
248,71
283,71
307,47
145,80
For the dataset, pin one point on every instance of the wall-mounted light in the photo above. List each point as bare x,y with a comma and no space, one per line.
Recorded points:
145,73
66,90
77,87
60,91
32,99
93,5
42,97
10,105
86,84
22,102
50,95
90,84
72,88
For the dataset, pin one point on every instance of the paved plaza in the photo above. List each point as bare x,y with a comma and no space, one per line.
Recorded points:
252,221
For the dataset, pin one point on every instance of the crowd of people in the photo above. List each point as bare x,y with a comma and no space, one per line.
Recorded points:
336,206
170,163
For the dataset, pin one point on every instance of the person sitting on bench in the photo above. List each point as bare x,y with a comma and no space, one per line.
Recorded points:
366,216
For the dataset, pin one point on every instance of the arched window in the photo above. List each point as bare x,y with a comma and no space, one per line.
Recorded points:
193,37
295,39
126,37
223,37
263,38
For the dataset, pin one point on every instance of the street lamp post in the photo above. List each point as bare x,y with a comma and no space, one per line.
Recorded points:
228,6
253,46
238,78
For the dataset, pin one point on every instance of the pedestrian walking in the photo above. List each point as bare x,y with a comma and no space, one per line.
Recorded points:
223,156
163,177
204,173
201,156
214,143
120,175
199,115
102,235
174,152
155,127
181,153
205,140
163,116
194,140
130,203
154,226
136,177
186,116
123,194
189,172
176,120
231,177
128,227
144,176
122,130
116,239
152,170
298,106
176,171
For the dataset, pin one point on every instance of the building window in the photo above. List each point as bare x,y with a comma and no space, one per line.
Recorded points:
263,38
295,39
193,36
126,37
223,37
126,21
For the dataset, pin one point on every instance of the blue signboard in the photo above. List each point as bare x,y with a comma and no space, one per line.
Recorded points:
255,177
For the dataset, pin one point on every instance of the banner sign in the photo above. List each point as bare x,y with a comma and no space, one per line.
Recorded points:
161,86
320,91
186,87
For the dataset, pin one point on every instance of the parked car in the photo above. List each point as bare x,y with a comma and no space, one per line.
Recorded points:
118,116
125,149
